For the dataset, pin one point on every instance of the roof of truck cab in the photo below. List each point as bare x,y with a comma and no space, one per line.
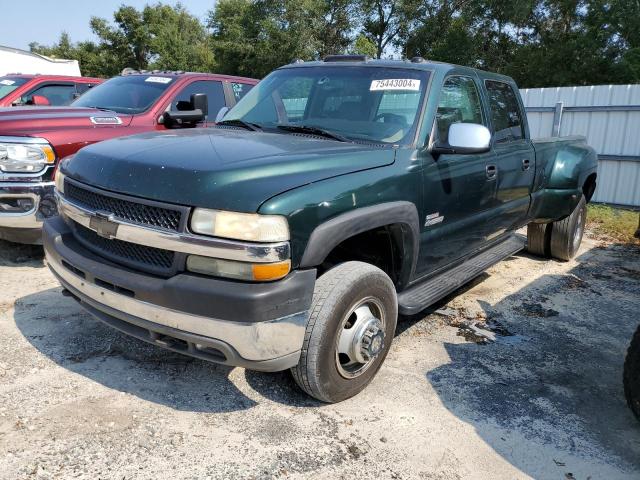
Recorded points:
60,78
428,65
168,73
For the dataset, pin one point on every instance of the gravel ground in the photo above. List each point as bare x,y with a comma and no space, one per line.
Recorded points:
516,376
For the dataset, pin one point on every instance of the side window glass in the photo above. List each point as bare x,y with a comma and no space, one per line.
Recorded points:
212,88
240,89
56,94
83,87
506,115
459,103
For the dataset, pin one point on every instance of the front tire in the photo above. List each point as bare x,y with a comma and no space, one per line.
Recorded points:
631,377
566,234
351,325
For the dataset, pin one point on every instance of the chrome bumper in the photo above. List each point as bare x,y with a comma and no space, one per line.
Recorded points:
34,191
269,346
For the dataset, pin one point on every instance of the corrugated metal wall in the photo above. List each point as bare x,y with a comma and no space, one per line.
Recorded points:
609,116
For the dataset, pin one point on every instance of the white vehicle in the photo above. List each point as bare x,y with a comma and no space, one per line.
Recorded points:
14,60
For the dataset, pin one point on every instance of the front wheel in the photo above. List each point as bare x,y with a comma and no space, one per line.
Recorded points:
631,377
351,325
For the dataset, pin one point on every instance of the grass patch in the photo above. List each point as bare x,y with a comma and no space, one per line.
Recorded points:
616,223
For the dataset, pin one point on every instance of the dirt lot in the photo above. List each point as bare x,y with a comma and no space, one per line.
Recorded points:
544,400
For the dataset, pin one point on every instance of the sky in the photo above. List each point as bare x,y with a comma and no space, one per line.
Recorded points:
42,21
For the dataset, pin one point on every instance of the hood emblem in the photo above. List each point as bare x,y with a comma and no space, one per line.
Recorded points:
102,223
112,120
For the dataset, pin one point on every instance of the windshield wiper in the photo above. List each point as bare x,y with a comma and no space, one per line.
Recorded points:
314,131
101,109
236,122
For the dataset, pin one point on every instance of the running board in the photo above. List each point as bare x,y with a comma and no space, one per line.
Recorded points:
419,297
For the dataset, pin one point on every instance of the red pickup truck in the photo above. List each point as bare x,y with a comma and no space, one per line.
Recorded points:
43,90
33,140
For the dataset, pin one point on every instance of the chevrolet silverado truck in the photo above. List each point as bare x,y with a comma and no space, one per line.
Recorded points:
34,139
44,90
335,195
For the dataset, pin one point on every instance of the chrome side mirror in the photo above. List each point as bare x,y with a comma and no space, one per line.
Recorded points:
465,138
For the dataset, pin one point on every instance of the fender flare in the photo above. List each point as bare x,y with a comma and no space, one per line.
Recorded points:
326,236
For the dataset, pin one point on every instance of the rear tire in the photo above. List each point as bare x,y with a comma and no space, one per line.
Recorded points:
631,377
538,239
354,304
566,234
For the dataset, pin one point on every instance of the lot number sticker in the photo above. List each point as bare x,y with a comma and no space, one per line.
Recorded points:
395,84
7,82
158,79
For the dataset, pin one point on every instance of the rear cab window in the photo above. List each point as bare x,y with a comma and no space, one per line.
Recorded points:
506,115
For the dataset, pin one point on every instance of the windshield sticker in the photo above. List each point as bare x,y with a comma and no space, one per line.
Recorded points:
7,82
395,84
164,80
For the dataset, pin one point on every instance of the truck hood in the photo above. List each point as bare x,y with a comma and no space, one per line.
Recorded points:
218,168
33,121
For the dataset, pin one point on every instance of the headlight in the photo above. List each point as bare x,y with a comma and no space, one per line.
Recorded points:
28,156
240,226
60,181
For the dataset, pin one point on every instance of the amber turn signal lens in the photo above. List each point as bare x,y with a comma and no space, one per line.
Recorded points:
271,271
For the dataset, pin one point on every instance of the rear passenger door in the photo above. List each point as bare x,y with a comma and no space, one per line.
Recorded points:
515,156
459,194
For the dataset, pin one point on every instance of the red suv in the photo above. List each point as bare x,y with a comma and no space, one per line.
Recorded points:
33,140
44,90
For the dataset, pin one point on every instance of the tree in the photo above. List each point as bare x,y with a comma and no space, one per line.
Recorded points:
384,21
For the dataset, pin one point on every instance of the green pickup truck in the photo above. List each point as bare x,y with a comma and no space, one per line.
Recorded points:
334,196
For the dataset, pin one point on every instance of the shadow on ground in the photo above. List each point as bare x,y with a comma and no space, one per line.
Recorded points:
18,254
553,383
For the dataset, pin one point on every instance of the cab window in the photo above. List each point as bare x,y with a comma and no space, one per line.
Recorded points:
240,90
57,95
459,103
213,90
506,116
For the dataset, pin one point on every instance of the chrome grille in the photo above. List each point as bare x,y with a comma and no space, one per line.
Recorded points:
129,210
140,257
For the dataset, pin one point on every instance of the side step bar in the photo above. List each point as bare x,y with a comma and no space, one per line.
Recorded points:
420,296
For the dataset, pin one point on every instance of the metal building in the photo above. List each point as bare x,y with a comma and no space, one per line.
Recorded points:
609,116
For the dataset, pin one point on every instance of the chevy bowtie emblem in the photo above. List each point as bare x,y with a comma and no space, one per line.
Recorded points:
102,223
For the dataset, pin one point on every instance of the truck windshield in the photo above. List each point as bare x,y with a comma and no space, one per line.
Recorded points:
129,94
362,103
9,84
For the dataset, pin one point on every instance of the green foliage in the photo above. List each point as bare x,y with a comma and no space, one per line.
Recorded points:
538,42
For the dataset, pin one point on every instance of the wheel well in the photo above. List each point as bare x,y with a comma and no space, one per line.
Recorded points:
382,247
589,187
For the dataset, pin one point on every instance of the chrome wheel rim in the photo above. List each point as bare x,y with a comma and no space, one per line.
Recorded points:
361,337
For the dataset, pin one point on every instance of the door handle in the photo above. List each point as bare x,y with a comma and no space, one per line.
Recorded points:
491,171
526,164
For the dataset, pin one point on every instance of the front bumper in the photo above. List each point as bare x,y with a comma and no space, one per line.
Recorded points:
26,226
257,326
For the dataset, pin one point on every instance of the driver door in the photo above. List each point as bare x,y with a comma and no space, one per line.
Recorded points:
459,190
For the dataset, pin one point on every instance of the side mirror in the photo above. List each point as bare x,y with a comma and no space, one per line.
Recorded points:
221,113
40,101
188,114
465,138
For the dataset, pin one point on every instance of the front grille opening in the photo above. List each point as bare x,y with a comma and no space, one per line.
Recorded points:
149,259
132,211
73,269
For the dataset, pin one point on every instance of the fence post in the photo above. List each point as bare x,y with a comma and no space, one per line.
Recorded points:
557,120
